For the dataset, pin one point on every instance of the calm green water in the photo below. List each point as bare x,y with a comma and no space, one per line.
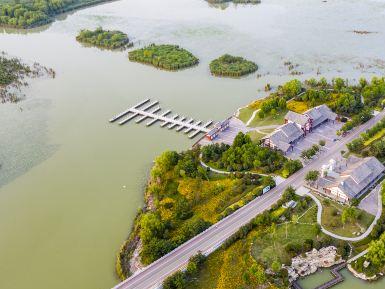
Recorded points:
349,283
71,183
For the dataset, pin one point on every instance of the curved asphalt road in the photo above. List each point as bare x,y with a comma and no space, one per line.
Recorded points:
206,242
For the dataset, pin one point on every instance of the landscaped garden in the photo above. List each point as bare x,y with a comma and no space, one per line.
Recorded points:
103,38
232,66
245,155
164,56
254,255
343,220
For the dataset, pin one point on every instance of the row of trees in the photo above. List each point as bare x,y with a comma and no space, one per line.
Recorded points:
180,279
375,148
358,119
31,13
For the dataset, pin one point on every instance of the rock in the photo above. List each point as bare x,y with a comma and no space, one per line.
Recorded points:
366,264
311,261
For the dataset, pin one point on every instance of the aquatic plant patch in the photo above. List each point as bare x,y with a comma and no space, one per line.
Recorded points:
165,56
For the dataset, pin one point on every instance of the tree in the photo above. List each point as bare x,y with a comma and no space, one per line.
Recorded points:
312,176
151,227
291,166
348,214
276,266
376,253
292,88
175,281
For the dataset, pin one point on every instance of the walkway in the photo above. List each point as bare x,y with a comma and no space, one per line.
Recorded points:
350,239
277,179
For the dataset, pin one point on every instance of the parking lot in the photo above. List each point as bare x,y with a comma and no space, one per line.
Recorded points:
326,132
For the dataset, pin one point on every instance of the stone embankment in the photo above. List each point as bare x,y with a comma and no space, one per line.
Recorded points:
302,266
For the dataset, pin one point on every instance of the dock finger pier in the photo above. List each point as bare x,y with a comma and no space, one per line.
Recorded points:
151,111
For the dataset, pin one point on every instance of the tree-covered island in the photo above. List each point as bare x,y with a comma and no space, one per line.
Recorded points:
164,56
104,38
232,66
32,13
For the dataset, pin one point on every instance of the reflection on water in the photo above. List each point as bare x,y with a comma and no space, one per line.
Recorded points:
71,182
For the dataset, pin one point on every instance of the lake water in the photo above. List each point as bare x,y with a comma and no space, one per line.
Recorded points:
71,183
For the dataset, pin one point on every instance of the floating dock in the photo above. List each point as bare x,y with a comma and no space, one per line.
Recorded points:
151,110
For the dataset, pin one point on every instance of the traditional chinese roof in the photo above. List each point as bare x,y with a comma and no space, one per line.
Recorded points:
358,175
320,113
297,118
284,135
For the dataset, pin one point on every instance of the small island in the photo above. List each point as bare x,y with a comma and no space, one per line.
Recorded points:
29,14
104,38
232,66
165,56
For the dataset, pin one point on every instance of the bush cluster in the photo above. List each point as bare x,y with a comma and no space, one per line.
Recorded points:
165,56
244,155
232,66
103,38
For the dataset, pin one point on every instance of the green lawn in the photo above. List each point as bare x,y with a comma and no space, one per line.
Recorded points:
245,114
269,247
377,136
310,216
331,219
276,119
255,136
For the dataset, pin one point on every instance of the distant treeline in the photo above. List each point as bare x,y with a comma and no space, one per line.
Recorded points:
27,14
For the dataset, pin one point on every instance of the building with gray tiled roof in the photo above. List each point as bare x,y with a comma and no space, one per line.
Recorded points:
283,137
320,114
349,179
311,118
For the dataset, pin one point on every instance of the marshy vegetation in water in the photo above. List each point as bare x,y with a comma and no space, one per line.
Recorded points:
13,73
165,56
104,38
232,66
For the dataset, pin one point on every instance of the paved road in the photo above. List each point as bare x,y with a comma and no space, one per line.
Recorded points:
213,237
